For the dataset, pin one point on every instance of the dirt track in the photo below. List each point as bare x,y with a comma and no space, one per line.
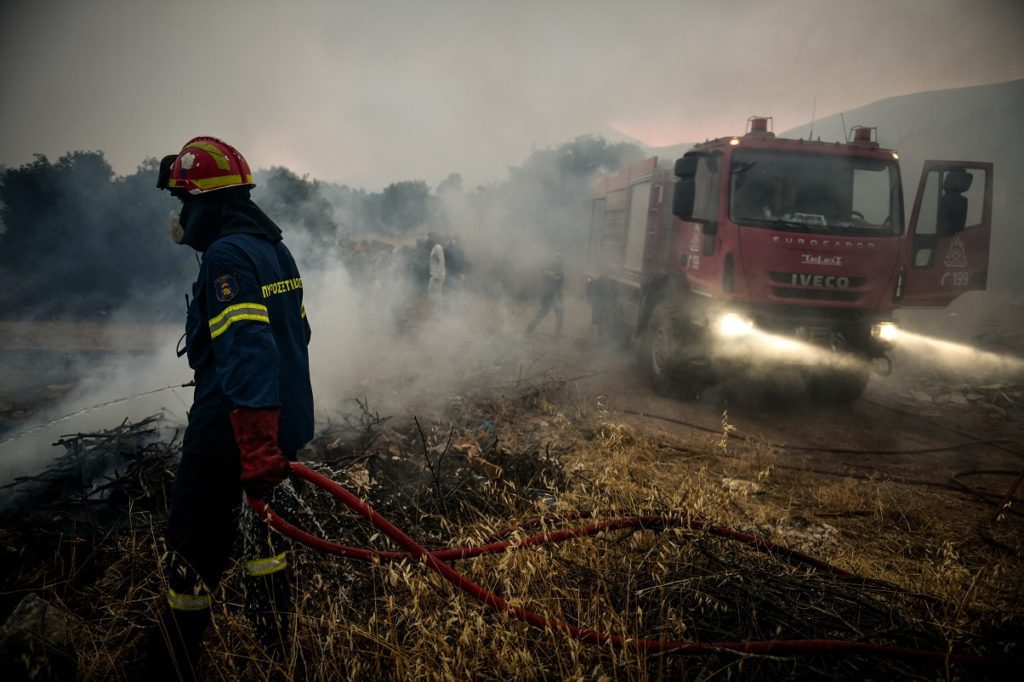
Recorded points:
886,418
894,433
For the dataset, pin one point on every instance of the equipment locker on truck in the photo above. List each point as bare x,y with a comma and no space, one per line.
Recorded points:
759,249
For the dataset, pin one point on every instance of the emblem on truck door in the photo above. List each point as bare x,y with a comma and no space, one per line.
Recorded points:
696,239
956,257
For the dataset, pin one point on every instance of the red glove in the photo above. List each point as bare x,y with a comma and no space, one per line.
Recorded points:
263,463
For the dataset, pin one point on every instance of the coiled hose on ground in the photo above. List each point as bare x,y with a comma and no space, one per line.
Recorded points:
435,560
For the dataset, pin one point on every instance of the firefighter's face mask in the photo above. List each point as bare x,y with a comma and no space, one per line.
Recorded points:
177,231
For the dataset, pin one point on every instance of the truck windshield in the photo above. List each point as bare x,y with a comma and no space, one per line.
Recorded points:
808,192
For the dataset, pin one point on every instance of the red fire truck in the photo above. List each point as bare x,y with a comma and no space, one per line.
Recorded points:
758,249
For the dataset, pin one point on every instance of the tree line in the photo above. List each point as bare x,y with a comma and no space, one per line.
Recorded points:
76,240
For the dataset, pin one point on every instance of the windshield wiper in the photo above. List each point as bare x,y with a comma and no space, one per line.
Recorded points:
739,167
777,223
790,224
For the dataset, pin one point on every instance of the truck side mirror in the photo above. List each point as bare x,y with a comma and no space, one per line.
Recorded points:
685,189
682,199
686,166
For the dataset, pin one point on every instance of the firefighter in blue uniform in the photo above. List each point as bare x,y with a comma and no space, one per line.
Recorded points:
246,338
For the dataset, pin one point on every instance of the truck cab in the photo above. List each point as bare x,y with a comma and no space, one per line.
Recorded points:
797,240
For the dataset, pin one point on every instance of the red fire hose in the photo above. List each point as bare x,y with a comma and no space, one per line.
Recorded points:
436,561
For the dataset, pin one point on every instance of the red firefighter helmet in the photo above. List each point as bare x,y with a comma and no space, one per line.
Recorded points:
203,165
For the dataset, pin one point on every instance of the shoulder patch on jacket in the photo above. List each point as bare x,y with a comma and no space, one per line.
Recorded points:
226,288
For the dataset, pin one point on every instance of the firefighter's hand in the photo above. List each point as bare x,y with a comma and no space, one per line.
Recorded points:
263,463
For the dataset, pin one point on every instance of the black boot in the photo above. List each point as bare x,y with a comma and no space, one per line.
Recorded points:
175,646
268,605
268,589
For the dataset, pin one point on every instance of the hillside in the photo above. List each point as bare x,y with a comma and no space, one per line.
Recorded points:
981,123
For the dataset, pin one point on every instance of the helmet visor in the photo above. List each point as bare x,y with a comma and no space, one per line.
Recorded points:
166,164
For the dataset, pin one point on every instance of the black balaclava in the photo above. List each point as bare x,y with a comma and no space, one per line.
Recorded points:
225,211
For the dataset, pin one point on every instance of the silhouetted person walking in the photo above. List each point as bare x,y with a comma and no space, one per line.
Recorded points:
551,295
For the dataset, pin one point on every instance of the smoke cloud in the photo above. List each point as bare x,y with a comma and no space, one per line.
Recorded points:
363,257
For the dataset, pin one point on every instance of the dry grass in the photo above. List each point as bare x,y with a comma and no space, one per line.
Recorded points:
396,620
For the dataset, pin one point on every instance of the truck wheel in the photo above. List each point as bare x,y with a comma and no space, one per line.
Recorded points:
668,356
836,386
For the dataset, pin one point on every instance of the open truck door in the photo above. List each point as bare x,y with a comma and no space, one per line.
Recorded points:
949,233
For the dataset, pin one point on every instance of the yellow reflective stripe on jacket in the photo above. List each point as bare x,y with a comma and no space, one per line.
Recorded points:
236,313
302,311
267,565
189,602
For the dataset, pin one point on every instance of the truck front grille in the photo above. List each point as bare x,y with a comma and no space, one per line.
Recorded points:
816,294
806,287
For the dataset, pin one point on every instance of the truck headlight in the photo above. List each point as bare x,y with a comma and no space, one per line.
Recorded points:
885,331
731,324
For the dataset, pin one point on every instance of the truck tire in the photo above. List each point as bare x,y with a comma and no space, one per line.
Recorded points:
671,356
836,386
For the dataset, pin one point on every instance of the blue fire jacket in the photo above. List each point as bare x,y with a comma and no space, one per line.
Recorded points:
247,339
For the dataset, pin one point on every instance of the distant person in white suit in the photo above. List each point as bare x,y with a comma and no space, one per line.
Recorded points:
435,287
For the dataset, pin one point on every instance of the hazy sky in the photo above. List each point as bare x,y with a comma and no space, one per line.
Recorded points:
365,93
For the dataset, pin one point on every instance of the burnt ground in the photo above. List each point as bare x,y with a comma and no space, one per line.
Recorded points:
940,413
902,485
